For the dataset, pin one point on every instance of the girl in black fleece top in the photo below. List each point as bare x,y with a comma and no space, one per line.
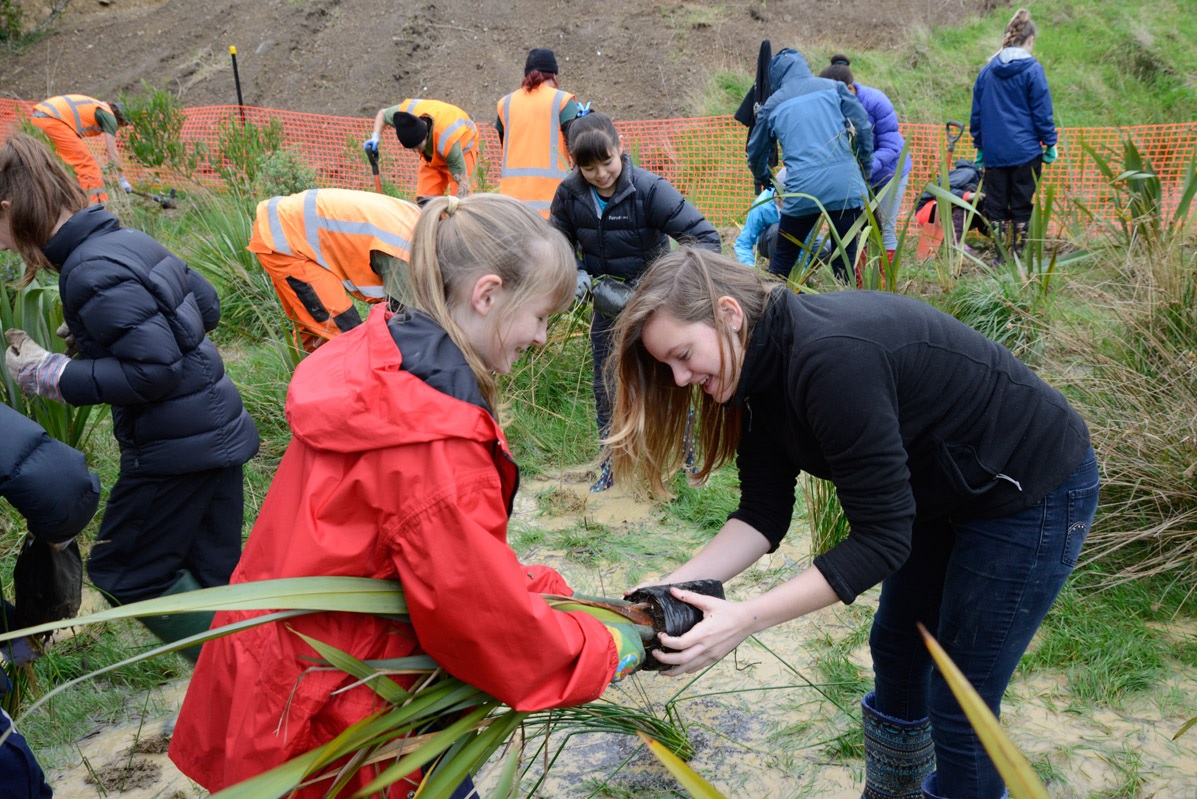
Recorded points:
619,218
969,485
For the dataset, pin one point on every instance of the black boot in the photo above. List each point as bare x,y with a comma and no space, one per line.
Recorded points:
899,754
177,626
1018,238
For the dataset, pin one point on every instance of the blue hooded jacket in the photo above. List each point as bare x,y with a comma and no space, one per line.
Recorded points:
810,118
1012,110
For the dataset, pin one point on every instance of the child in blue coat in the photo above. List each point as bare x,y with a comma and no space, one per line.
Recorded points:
1013,130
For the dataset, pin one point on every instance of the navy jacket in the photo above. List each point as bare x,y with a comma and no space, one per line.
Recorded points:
810,118
634,230
912,415
45,480
140,319
1012,110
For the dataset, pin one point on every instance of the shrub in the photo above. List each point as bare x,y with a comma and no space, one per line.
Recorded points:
154,138
281,173
241,147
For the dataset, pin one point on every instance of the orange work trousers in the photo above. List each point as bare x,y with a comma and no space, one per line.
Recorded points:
72,150
434,181
312,297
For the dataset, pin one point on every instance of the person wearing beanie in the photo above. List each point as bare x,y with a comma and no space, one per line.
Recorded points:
1013,130
444,137
532,123
67,120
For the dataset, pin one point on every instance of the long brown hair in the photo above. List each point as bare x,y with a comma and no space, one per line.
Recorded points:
1019,29
650,413
455,242
39,191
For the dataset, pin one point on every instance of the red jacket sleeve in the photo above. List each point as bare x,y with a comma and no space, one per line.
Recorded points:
474,606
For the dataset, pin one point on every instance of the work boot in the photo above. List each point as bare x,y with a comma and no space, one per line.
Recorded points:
899,754
1018,238
999,231
177,626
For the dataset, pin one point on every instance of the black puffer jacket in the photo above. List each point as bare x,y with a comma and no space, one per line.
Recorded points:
45,480
643,214
140,319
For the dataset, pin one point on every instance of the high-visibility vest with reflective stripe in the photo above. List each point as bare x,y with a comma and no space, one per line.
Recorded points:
337,228
450,125
535,158
77,110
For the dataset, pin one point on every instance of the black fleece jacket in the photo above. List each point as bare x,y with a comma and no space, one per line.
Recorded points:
643,214
909,412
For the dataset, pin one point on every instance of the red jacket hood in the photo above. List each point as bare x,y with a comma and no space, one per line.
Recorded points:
348,394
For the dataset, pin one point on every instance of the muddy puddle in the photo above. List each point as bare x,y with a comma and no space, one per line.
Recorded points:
764,723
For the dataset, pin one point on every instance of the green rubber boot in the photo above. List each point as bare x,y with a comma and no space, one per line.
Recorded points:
177,626
899,754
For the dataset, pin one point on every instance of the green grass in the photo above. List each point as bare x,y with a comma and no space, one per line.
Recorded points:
1108,62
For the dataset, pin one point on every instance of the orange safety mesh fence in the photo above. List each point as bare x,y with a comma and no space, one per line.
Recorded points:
703,157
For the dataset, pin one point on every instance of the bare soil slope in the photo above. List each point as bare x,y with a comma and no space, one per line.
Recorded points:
634,59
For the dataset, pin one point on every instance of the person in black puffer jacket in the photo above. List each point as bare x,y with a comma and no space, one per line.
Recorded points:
619,218
139,320
50,485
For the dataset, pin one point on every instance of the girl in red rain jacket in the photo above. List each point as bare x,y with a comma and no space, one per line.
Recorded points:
398,470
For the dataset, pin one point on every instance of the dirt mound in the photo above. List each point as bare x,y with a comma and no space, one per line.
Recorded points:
632,59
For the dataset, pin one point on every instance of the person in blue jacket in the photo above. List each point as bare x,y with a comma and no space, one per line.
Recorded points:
1013,130
139,319
618,218
760,226
827,147
50,485
888,144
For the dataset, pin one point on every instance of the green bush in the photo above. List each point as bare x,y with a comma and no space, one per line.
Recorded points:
154,138
281,173
11,21
241,148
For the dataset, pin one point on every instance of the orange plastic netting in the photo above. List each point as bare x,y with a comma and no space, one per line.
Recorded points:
703,158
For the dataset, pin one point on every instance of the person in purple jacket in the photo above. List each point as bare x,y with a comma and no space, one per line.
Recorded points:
888,146
1012,124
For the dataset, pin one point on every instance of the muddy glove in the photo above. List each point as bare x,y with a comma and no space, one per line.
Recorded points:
1050,155
68,338
370,145
126,186
583,289
630,648
35,370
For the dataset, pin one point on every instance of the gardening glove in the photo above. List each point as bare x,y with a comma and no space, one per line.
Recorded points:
126,186
35,370
630,648
1050,155
370,145
68,338
979,161
583,288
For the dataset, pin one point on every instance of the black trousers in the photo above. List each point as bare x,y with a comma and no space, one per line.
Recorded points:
154,527
1010,191
799,227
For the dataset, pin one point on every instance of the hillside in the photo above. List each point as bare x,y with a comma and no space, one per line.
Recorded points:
631,58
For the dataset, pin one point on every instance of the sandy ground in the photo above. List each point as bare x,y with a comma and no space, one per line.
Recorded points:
759,728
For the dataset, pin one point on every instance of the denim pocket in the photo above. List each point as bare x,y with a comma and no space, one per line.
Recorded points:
1082,504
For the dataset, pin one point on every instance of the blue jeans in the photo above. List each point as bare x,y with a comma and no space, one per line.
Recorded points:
793,229
982,587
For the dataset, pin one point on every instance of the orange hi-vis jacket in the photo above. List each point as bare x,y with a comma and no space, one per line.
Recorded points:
450,125
76,110
535,157
337,229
